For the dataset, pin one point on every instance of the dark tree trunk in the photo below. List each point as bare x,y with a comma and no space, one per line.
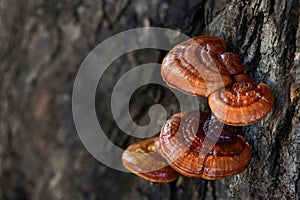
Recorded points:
42,46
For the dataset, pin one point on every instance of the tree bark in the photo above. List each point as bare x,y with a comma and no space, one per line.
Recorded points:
43,44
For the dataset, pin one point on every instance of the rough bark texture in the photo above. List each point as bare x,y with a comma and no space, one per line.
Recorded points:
42,45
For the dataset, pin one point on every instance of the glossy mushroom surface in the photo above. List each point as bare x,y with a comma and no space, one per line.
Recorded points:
200,66
243,103
184,144
144,159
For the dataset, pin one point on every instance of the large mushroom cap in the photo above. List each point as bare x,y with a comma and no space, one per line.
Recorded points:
200,66
183,144
143,159
243,103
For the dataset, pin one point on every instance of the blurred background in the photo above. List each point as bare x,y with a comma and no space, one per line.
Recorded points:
44,42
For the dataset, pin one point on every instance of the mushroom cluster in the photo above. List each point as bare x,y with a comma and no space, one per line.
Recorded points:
201,66
195,144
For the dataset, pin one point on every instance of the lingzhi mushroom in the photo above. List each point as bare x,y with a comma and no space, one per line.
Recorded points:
243,103
144,159
183,145
200,65
199,144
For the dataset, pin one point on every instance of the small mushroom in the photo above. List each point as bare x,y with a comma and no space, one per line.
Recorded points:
200,66
243,103
182,142
143,159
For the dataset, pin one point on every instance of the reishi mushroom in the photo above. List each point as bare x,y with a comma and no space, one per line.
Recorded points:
182,146
197,144
243,103
143,159
200,66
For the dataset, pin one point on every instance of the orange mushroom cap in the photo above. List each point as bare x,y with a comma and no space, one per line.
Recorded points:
200,66
144,159
243,103
182,142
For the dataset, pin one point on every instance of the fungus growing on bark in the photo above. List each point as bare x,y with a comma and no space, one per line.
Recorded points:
182,142
198,145
200,65
143,159
244,103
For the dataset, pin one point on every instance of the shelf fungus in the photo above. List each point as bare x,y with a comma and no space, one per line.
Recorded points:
197,144
143,159
244,103
194,149
200,66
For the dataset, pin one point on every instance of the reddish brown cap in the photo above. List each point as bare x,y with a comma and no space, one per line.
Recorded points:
183,144
143,159
243,103
200,66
